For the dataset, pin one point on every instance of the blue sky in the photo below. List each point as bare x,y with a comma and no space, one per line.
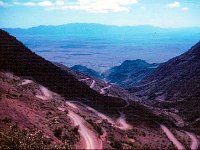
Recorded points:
163,13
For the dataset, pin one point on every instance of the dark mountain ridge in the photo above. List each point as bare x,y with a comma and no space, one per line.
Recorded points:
129,73
175,85
176,79
44,112
87,71
17,58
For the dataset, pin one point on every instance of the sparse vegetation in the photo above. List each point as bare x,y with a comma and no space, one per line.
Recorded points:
6,120
116,144
11,137
96,127
57,132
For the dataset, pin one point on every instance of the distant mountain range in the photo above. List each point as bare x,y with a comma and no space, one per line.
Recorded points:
99,30
82,43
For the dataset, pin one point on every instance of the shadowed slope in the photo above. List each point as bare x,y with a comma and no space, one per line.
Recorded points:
17,58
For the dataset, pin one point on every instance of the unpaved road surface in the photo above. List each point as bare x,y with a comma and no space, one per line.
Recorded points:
93,83
25,82
90,138
103,89
194,141
172,138
46,94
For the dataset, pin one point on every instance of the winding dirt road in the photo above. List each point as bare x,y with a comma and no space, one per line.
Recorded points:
103,89
25,82
172,138
122,124
84,79
93,83
194,141
46,93
71,104
91,140
101,115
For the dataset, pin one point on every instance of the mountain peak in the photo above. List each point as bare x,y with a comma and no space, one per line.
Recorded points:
130,72
134,62
87,71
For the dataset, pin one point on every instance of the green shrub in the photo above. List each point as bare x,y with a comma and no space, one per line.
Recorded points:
97,128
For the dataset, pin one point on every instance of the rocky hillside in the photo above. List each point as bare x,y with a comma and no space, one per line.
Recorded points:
175,84
100,85
129,73
44,106
17,58
176,80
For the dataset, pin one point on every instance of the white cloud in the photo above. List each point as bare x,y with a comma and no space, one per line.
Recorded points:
60,2
142,7
42,3
30,4
185,9
175,4
97,6
25,4
45,3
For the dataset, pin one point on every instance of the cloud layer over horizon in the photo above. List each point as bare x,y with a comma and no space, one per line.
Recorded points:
95,6
165,13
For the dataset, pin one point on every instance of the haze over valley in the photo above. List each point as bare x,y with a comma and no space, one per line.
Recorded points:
95,45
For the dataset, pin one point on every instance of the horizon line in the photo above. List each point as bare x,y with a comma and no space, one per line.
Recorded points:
147,25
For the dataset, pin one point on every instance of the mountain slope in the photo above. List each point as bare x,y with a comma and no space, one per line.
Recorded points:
175,84
130,72
28,121
17,58
86,71
177,79
44,106
101,86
